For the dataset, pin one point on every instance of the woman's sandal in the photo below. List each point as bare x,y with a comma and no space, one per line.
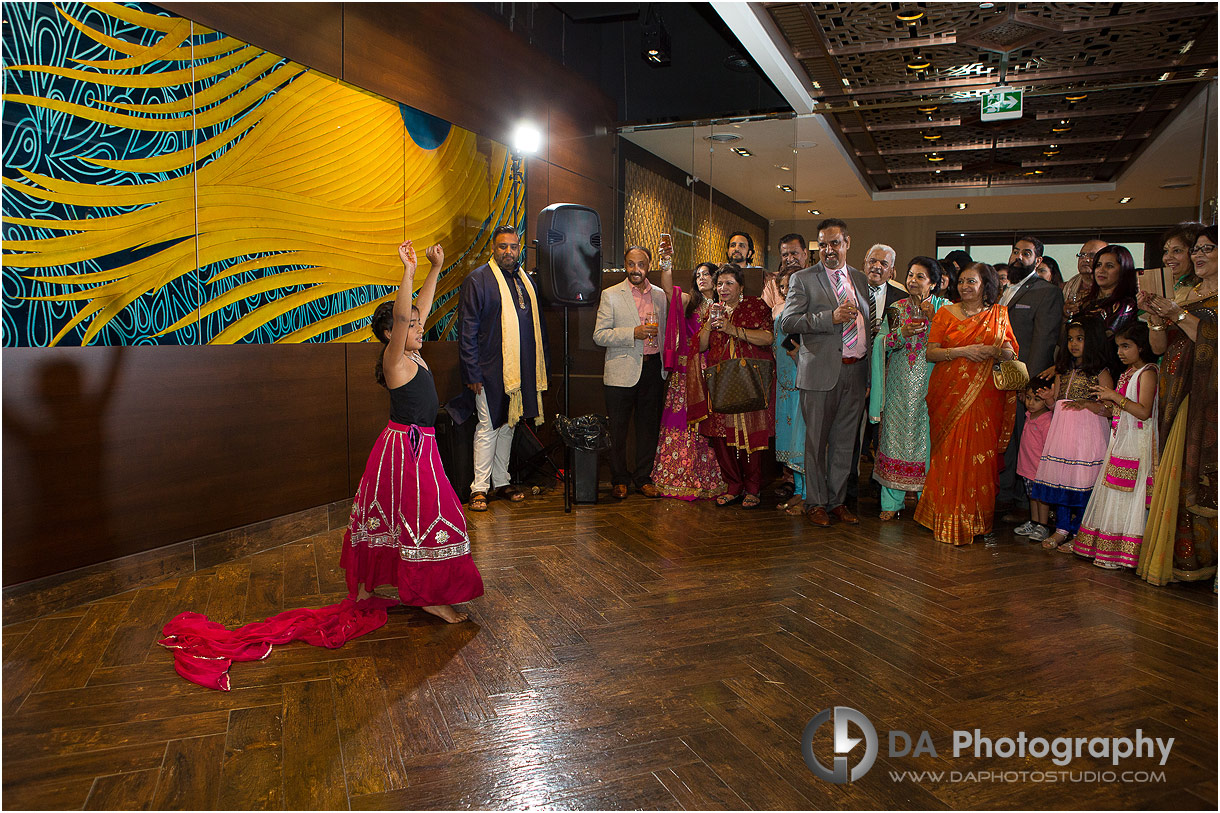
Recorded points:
1067,546
727,499
889,516
792,501
797,510
1053,541
478,501
750,501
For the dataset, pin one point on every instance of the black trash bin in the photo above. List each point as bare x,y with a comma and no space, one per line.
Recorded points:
585,436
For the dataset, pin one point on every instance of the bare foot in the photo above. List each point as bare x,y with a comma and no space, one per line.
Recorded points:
447,613
362,594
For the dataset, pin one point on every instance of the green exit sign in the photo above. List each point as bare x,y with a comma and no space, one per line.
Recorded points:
1001,103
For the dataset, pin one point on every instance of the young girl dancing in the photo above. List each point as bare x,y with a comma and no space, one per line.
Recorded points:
1076,441
1113,524
407,526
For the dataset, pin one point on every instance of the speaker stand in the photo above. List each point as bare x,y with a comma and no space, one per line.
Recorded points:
569,476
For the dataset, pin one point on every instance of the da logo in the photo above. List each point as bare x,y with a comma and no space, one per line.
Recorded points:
844,744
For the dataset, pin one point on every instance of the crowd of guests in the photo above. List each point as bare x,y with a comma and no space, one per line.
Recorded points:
1111,445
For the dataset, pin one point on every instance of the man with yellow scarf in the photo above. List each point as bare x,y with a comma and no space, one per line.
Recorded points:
502,347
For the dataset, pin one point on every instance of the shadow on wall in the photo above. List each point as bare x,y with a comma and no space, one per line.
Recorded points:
57,455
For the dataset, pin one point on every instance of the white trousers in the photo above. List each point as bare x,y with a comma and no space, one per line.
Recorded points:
492,448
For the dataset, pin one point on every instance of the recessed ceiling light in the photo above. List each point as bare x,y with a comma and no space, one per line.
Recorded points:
1124,200
986,5
813,211
742,151
938,172
783,167
722,138
785,187
961,206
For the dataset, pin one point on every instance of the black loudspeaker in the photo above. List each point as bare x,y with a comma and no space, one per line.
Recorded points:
569,254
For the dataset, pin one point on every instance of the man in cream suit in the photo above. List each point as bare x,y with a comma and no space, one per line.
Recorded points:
828,305
631,326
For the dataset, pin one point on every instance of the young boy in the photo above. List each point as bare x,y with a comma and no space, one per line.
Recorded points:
1037,422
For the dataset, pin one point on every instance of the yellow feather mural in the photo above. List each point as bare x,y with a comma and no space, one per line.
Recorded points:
269,210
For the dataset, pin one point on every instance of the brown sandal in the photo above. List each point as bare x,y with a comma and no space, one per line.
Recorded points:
750,501
510,493
478,501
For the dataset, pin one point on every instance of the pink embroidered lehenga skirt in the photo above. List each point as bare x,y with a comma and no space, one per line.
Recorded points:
407,526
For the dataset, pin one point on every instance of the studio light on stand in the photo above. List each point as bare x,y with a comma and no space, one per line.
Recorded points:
526,140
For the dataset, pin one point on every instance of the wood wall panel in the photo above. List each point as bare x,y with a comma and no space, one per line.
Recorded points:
113,450
308,33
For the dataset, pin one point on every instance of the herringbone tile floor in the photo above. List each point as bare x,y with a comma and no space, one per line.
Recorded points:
646,654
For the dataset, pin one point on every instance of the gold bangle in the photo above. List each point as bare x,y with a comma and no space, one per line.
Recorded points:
1122,407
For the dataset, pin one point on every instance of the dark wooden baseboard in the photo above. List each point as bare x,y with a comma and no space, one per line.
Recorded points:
50,594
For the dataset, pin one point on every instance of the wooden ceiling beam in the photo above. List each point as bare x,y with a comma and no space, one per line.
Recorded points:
1009,145
921,125
1042,77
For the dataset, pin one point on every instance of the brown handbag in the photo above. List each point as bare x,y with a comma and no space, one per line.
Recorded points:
738,385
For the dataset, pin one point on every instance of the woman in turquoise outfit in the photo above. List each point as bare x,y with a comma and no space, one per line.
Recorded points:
900,372
789,420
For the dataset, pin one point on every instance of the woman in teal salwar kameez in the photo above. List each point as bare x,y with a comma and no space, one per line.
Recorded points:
900,372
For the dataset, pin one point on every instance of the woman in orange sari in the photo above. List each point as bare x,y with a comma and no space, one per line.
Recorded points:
971,421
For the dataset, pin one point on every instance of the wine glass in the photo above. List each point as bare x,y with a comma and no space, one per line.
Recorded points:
650,319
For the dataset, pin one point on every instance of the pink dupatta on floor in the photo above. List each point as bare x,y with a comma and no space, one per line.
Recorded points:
204,650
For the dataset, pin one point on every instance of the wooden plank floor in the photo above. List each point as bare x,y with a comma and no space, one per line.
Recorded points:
648,654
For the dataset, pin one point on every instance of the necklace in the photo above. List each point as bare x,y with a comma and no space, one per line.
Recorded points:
1199,294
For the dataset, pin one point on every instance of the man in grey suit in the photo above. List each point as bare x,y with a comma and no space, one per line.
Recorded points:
828,305
1035,309
631,326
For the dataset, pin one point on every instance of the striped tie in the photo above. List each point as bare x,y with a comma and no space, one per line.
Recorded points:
850,332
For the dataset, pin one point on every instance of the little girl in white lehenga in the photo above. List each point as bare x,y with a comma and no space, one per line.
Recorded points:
1113,524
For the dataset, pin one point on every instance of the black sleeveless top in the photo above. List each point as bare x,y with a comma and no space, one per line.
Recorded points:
416,401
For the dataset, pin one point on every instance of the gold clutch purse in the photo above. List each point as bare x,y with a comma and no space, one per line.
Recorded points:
1010,375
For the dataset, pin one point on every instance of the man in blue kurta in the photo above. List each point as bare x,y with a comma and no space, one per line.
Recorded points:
501,331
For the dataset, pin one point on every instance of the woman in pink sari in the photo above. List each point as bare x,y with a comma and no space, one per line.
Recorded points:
686,466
